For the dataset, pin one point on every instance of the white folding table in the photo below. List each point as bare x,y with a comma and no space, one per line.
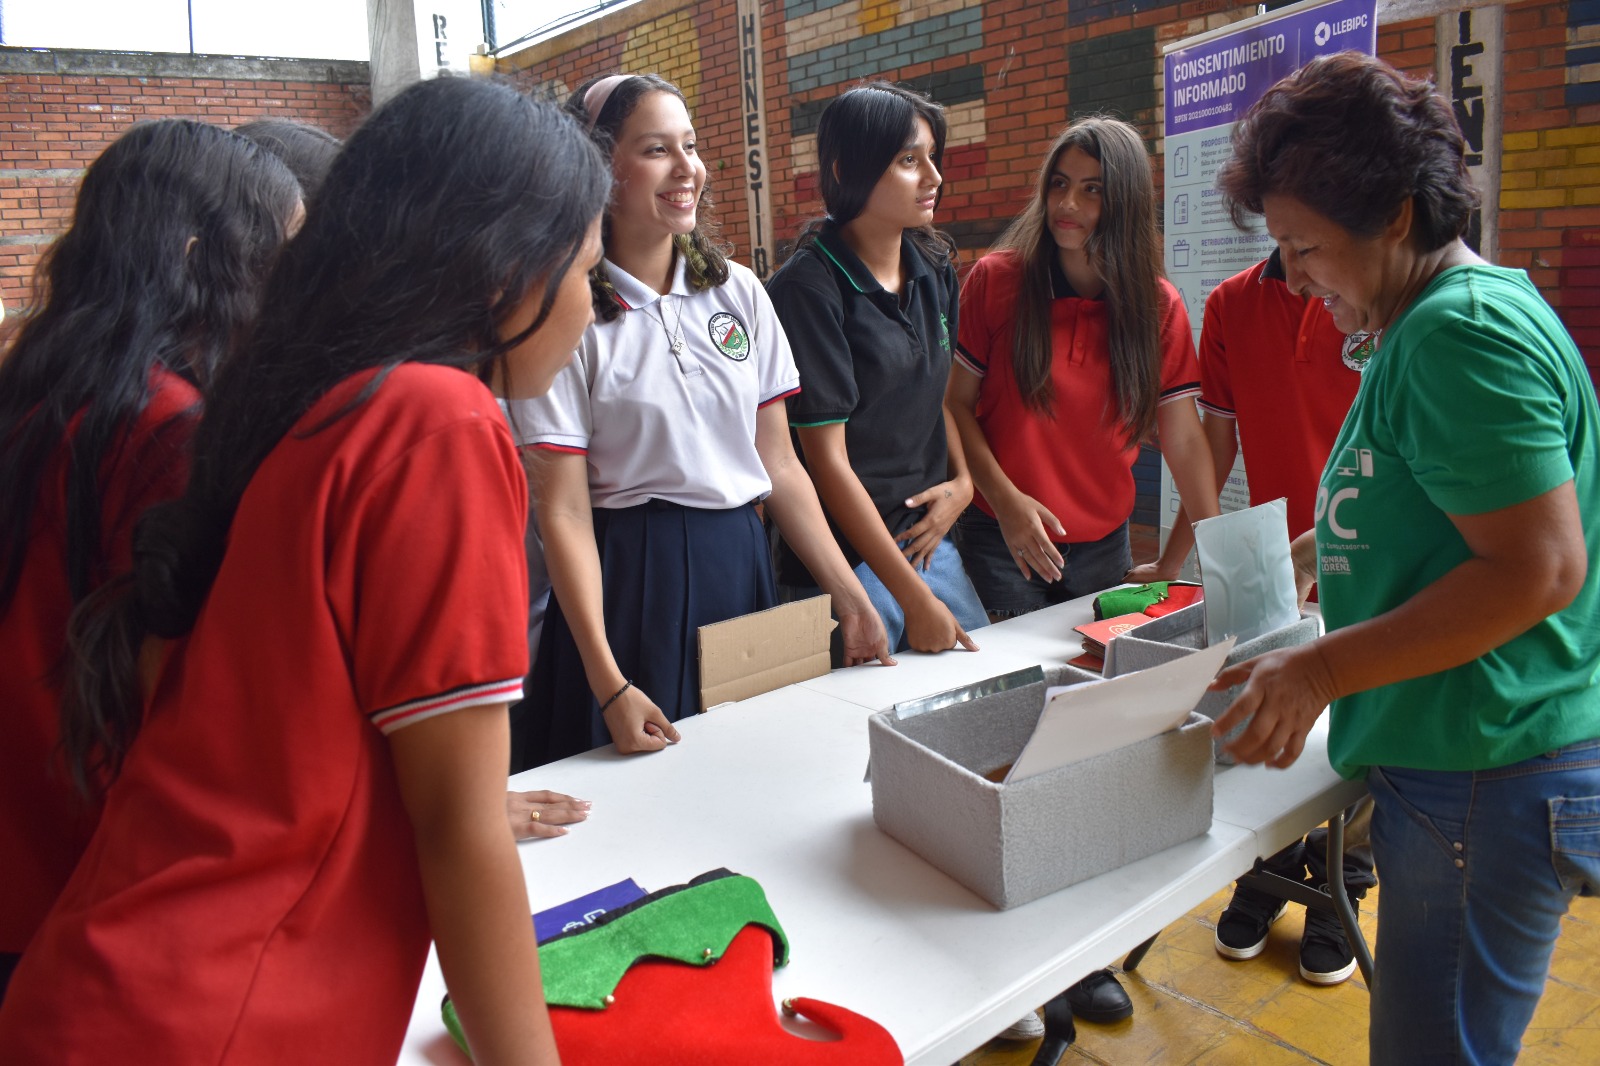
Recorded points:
773,788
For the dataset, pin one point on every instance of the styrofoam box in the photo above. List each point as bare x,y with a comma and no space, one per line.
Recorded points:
1014,843
1181,632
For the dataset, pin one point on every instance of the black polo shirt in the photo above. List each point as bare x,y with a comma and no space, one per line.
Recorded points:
875,360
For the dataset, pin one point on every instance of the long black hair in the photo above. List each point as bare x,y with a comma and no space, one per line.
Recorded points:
1125,249
170,237
305,149
859,135
441,214
704,255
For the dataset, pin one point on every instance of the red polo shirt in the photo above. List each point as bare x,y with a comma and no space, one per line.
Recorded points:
1079,464
1270,359
44,823
252,893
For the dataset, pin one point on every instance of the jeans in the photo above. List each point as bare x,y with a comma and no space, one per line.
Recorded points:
1086,567
1478,870
944,576
947,580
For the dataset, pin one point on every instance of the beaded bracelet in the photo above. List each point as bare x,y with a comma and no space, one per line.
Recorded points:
626,686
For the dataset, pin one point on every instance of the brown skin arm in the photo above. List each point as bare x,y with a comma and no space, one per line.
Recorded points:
451,771
559,482
930,626
1528,561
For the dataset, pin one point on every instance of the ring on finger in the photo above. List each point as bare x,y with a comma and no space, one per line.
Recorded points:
533,815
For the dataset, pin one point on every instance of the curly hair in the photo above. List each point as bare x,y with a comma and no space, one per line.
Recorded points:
1353,138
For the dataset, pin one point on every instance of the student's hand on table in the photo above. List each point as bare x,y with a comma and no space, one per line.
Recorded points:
1284,692
944,502
637,724
543,813
1145,573
1027,525
931,627
864,638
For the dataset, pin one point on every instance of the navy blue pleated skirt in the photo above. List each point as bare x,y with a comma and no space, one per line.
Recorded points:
666,570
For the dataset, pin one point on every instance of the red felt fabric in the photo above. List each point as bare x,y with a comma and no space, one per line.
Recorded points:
672,1014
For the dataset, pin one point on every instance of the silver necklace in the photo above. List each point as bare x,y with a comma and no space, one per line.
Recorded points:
675,337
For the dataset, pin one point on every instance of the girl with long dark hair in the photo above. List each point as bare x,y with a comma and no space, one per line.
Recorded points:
655,444
869,301
318,783
137,303
1073,349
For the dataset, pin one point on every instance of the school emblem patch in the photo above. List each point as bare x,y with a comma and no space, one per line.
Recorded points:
730,336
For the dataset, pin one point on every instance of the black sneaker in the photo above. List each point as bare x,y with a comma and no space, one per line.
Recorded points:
1325,954
1099,998
1242,929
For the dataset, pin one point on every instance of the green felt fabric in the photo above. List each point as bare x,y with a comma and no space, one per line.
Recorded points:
581,969
1129,601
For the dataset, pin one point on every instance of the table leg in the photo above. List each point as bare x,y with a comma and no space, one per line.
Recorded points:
1341,899
1136,956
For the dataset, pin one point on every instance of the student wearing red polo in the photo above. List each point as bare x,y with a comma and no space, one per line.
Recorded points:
170,236
1270,368
1073,348
318,786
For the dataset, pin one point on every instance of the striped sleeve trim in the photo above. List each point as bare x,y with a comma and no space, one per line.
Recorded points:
1178,392
405,714
967,360
814,425
563,448
781,396
1217,409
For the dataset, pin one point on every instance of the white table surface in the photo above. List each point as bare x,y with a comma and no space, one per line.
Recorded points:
772,788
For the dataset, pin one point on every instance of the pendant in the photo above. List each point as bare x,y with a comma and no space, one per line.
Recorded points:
676,344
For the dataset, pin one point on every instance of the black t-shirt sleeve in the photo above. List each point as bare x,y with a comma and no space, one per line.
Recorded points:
806,297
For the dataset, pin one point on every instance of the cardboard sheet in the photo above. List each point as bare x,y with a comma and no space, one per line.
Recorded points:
1086,720
756,653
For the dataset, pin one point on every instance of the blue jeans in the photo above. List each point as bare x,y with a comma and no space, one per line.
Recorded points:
944,576
1478,869
948,581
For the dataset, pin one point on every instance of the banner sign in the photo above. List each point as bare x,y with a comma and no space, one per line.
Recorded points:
1211,81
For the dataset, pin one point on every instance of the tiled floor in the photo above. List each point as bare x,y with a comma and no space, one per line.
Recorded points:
1193,1008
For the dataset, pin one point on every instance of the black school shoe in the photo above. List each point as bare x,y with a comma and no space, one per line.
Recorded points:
1242,929
1326,957
1099,998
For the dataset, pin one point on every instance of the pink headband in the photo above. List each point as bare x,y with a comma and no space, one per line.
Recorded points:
594,101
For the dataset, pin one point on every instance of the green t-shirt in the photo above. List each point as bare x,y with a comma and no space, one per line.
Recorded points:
1477,400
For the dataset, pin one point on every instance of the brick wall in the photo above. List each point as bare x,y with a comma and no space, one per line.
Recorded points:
59,109
1012,72
1550,170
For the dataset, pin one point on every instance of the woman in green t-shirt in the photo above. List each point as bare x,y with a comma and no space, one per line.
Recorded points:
1455,553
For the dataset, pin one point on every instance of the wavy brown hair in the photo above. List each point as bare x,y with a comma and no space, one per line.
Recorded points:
1125,249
